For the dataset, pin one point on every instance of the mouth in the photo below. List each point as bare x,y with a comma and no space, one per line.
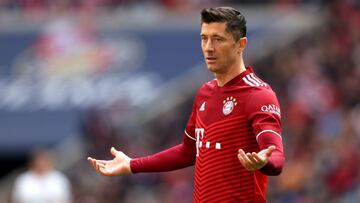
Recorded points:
210,60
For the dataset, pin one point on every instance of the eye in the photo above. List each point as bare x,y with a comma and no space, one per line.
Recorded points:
218,39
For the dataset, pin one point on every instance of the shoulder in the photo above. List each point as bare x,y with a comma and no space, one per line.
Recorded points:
261,93
206,88
24,177
258,88
208,85
262,99
57,175
57,178
24,181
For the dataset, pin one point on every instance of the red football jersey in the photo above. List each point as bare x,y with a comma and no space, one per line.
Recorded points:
224,120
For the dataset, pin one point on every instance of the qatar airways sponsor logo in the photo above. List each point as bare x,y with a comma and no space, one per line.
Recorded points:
271,108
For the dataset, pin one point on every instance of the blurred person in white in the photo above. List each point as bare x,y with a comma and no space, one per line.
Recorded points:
41,183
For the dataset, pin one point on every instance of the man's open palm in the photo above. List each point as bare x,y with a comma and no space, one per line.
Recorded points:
255,161
118,166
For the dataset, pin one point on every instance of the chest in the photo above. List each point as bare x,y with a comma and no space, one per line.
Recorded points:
217,106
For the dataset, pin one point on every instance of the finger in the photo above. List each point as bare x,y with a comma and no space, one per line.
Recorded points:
104,171
96,163
251,158
241,152
245,160
242,161
100,167
113,151
249,161
258,158
240,157
261,161
90,159
272,147
100,164
269,151
93,162
104,162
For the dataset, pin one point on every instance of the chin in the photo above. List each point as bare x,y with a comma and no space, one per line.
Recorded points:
213,68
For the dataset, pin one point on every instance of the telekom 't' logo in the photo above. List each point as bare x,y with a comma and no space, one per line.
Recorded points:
199,132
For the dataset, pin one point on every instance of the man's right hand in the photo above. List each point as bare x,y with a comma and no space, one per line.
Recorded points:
118,166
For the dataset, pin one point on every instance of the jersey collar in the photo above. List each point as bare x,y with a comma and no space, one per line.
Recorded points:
239,77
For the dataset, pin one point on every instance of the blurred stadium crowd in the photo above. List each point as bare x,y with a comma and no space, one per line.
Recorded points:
44,5
317,80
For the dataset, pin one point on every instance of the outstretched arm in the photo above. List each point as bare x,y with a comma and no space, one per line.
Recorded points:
177,157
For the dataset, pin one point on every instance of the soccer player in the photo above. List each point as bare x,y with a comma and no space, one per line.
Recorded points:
233,136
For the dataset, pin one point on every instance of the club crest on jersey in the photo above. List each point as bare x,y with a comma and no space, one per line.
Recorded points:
229,105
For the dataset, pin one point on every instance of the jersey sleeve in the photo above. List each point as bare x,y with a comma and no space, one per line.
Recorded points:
189,134
177,157
264,113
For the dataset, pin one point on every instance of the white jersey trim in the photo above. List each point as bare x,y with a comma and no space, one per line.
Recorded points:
252,80
255,78
264,131
247,82
189,136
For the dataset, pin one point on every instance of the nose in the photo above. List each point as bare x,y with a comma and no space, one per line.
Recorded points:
209,47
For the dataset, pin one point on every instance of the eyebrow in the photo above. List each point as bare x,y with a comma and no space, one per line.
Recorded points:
215,35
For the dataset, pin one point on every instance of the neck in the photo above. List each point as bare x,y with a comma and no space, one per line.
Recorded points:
223,78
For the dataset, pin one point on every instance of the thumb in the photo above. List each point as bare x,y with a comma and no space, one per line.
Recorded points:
270,150
113,151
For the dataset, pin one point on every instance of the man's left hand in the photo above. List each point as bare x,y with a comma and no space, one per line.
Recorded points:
255,161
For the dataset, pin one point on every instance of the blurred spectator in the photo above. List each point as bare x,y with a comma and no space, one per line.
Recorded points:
41,183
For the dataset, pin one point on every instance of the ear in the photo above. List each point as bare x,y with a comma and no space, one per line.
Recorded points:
242,44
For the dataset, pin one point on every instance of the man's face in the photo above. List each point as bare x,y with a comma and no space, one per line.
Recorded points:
219,48
42,163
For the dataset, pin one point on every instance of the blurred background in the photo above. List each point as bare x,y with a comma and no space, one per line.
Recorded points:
78,77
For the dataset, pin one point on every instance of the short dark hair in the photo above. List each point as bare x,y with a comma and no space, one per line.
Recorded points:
235,21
